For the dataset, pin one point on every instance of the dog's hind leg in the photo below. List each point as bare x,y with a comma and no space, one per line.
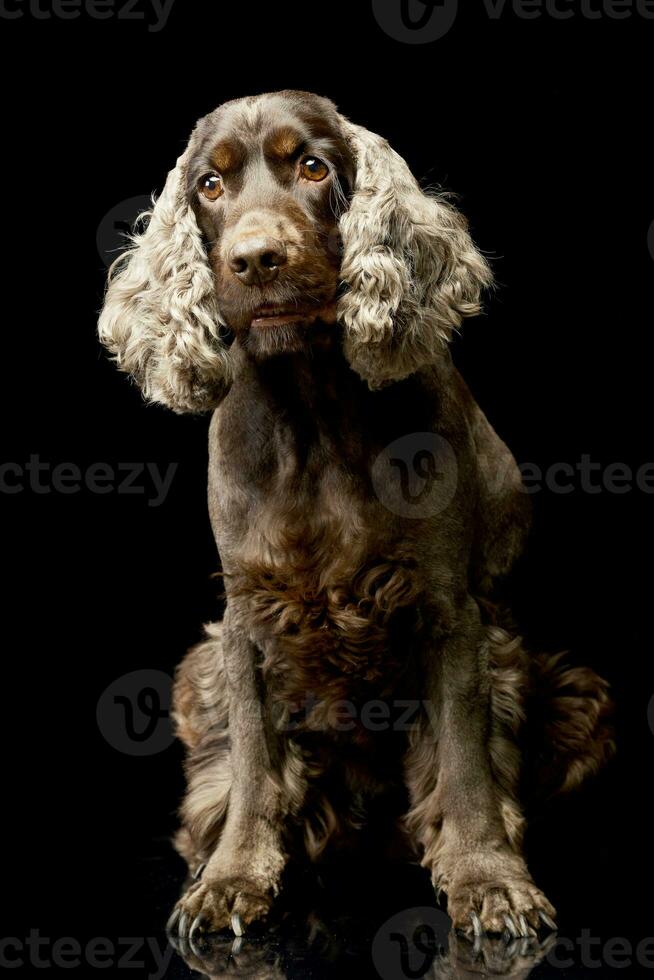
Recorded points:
551,722
569,734
200,713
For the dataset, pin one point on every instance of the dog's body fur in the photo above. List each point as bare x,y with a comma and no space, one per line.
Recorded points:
336,597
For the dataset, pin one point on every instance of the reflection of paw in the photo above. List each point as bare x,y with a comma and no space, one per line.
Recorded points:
514,959
228,957
213,905
514,906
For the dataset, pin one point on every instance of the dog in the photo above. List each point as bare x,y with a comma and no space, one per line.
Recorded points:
294,280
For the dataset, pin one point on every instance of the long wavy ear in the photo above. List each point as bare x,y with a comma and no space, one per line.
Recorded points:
160,318
411,266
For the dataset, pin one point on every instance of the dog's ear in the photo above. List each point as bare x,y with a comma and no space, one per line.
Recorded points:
412,269
160,318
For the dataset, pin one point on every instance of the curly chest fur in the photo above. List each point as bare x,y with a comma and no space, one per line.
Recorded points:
330,627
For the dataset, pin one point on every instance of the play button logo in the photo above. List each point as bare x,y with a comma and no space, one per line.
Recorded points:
415,21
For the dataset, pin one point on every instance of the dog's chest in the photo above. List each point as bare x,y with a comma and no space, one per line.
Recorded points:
332,620
326,577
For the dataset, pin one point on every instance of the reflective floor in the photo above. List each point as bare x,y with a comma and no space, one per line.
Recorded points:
364,922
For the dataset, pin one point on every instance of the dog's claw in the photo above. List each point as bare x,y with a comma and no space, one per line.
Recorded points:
183,923
172,921
197,927
525,930
199,871
511,948
476,924
550,923
511,926
237,946
237,925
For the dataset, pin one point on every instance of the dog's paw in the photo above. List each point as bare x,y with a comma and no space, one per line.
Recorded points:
215,905
515,908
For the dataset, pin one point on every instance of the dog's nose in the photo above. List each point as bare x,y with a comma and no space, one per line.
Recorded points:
257,260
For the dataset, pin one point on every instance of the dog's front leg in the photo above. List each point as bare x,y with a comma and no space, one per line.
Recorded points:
460,813
243,875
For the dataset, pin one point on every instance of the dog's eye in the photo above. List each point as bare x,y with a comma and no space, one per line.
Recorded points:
312,168
211,186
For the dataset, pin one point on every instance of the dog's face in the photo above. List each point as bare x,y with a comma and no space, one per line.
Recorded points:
280,218
268,182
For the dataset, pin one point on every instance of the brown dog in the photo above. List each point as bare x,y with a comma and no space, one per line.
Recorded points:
294,278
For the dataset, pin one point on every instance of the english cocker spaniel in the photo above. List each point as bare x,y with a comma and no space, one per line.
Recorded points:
295,280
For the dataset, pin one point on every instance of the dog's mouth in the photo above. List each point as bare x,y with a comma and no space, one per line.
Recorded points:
270,315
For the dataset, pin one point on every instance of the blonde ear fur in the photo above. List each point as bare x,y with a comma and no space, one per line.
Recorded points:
160,318
411,266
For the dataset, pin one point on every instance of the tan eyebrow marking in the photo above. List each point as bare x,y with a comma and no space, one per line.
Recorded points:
227,155
283,143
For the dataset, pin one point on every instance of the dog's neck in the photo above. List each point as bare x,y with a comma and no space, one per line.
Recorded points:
305,380
315,394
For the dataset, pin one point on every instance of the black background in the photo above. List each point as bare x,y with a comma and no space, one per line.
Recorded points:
543,128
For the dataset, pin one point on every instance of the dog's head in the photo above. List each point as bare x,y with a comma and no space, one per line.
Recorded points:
280,220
